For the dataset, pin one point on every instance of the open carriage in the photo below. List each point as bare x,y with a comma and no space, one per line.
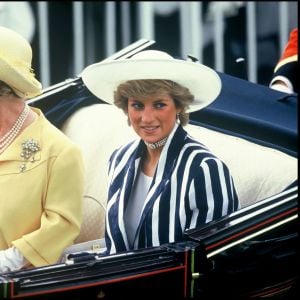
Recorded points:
251,253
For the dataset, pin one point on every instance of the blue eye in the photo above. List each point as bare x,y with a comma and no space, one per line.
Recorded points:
137,105
159,105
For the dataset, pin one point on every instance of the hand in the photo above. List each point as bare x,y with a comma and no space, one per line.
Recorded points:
11,259
281,86
3,262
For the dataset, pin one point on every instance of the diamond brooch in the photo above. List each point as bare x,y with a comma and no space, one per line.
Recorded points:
29,149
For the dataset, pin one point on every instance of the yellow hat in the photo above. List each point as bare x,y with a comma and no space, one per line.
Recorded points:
15,64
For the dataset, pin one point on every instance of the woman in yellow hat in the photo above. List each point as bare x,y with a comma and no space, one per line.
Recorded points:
41,170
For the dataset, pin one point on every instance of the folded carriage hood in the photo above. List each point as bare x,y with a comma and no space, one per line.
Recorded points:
253,111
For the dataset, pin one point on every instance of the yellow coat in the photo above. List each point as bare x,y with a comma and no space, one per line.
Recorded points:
41,199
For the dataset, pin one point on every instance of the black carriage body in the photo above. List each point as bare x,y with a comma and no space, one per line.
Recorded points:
250,254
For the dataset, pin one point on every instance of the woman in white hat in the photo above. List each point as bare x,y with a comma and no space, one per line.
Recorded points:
41,171
166,181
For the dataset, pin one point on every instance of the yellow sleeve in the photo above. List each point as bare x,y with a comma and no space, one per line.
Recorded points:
62,215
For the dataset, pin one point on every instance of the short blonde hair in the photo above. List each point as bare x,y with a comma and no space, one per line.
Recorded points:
143,88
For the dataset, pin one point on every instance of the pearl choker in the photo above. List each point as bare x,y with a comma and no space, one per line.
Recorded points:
156,144
8,138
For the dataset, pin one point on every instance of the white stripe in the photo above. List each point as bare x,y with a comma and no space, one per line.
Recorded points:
173,197
193,205
110,203
113,163
232,193
182,213
155,229
209,192
121,215
150,194
223,187
172,207
115,170
222,183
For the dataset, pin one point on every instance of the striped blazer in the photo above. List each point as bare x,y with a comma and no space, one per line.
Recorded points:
190,187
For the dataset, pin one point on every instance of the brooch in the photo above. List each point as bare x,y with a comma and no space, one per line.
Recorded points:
29,148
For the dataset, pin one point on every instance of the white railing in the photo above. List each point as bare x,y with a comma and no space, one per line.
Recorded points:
141,23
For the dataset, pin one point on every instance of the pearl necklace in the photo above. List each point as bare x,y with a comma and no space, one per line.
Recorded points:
8,138
156,144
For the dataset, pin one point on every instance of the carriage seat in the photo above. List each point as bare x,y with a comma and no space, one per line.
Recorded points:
258,172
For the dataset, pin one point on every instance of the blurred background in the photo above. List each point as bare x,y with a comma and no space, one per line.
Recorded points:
241,38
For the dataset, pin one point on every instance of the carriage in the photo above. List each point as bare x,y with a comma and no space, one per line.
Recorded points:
251,253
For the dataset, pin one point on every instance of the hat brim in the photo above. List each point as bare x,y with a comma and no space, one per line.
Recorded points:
102,79
24,85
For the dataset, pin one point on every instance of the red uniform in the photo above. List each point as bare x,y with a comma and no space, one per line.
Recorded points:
286,69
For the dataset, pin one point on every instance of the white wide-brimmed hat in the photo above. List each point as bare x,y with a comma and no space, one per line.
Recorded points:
15,64
102,79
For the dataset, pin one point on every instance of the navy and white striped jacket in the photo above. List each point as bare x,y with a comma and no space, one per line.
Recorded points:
190,187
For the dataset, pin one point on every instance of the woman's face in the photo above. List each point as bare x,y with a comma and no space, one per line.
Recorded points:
152,118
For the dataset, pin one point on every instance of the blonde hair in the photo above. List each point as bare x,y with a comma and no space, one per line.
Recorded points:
143,88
